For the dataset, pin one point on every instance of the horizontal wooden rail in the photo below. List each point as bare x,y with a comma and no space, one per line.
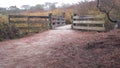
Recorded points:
25,16
88,23
36,23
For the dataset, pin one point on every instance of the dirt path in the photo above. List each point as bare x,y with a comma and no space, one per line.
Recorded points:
61,48
16,53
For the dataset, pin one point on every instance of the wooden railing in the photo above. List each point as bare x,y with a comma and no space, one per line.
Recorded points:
29,23
36,23
88,23
57,21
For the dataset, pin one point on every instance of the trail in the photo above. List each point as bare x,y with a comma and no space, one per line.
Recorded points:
13,52
30,52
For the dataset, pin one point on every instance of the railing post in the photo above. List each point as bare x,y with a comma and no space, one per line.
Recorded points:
63,15
63,18
72,19
50,19
9,19
28,28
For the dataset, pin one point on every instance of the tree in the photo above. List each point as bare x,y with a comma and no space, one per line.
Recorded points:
50,6
25,7
111,8
65,5
3,10
13,10
87,8
38,7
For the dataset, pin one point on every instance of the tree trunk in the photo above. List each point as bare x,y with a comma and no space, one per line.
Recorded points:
117,22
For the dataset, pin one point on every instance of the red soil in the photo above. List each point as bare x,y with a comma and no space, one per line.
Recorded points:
62,49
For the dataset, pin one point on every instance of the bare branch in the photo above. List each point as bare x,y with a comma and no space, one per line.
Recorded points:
107,12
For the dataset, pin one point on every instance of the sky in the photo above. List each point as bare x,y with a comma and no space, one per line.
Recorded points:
19,3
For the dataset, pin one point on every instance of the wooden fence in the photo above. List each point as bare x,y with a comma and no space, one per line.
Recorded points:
88,22
36,23
57,20
29,23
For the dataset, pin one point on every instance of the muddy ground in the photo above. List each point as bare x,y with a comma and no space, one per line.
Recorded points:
63,48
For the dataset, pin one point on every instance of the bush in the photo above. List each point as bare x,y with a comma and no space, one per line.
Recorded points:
8,32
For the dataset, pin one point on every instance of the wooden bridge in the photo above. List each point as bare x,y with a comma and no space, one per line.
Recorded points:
36,23
39,23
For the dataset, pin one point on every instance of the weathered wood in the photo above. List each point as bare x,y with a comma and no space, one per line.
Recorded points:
18,22
57,20
24,16
38,22
88,23
9,20
38,16
41,21
90,28
28,23
17,16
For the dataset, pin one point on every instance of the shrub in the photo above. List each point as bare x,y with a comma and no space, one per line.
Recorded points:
8,32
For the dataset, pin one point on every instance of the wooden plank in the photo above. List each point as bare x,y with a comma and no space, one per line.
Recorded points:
22,27
17,16
87,17
31,22
76,17
23,30
90,22
12,21
29,27
25,16
35,28
38,16
89,28
34,22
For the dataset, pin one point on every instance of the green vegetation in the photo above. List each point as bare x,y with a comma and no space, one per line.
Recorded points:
8,32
